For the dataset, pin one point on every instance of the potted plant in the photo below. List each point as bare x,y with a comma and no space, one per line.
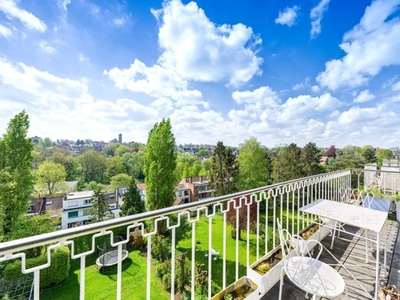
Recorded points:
266,271
244,288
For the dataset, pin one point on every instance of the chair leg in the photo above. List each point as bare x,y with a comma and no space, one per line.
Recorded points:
280,286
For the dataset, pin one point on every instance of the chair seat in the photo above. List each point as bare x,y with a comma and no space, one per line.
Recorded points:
314,276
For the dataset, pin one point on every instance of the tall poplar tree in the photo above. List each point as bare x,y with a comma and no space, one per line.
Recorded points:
16,179
160,167
224,170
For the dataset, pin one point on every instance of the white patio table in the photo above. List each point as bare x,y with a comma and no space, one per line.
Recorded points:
357,216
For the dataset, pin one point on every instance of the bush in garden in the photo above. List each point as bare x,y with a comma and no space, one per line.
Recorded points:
56,273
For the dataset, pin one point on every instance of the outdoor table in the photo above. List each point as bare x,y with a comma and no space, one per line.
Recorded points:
369,219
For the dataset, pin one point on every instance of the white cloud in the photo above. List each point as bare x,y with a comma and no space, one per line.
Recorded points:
288,16
82,58
45,47
9,7
370,46
316,16
120,22
94,10
202,51
396,86
302,85
5,31
63,3
315,89
364,96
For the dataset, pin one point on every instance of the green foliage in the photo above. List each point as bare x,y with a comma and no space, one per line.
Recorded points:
120,180
100,210
49,174
368,153
115,166
16,179
310,157
34,225
160,167
132,201
160,249
252,165
134,164
287,165
56,273
93,166
224,170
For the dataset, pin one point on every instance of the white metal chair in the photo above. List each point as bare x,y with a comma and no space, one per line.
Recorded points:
306,272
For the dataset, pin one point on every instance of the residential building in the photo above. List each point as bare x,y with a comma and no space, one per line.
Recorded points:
77,207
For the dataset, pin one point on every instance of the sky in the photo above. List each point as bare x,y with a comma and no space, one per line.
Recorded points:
321,71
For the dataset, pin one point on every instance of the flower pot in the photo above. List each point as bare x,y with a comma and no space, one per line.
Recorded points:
244,287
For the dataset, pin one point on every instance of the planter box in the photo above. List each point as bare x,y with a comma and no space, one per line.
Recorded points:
266,281
319,234
244,281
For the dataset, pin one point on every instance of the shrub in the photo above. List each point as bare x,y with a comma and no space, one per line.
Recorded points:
56,273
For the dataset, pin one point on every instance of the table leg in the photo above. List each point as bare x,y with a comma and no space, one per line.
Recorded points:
377,267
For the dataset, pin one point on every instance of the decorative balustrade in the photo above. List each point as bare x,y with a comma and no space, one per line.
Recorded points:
255,212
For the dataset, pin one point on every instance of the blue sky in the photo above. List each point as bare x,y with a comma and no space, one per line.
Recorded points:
281,71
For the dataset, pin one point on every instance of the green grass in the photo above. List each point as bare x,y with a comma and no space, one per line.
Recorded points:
103,285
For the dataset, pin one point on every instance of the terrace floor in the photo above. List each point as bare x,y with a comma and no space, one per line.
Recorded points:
350,251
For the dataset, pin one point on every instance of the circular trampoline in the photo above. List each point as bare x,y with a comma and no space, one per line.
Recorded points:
108,255
110,258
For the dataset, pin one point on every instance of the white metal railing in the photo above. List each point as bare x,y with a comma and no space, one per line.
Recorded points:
273,201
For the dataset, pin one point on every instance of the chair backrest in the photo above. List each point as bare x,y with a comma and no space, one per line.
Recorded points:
290,244
345,195
366,199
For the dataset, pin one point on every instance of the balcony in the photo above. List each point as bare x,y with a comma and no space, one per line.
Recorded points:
202,232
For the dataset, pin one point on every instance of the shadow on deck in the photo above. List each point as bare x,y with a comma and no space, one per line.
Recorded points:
351,252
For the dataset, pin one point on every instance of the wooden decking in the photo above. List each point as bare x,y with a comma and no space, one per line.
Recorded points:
351,252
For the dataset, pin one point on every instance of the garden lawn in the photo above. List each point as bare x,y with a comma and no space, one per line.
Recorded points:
101,286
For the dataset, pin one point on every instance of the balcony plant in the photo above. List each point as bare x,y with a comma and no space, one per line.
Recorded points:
266,271
244,288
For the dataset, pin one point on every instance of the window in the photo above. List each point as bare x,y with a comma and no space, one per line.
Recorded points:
87,201
72,214
72,203
86,212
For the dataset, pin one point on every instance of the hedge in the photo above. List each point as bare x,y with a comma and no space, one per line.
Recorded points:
56,273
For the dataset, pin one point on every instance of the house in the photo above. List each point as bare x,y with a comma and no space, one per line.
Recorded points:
77,207
198,187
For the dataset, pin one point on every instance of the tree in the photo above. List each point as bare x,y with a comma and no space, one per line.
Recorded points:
132,200
100,210
119,180
310,157
368,153
287,164
34,225
224,171
252,162
160,167
49,174
93,166
16,179
115,166
134,164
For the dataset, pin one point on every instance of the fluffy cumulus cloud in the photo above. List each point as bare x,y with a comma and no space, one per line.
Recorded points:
364,96
316,16
12,11
197,49
370,46
288,16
